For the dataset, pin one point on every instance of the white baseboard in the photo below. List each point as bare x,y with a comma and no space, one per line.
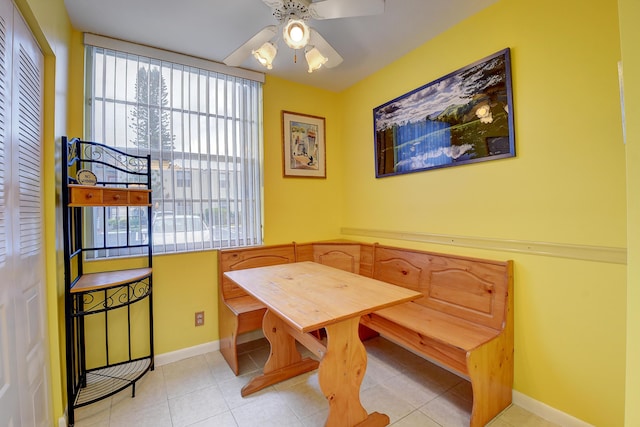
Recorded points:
185,353
547,412
197,350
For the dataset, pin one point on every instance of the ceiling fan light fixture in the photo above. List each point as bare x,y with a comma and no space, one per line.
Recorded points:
315,59
265,54
296,33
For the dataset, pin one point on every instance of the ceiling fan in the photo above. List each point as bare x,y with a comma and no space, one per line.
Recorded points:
292,17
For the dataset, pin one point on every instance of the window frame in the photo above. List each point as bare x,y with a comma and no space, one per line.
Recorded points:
233,159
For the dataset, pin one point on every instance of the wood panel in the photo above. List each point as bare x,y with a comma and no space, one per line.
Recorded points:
468,288
239,259
239,312
345,256
442,352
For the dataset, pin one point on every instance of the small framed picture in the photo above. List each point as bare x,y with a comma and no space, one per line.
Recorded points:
303,145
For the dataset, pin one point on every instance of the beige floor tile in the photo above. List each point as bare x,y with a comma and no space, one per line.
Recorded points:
379,371
515,416
246,364
498,422
202,391
94,415
304,398
449,410
253,345
150,391
415,419
222,420
383,400
316,420
427,371
231,392
186,376
416,393
197,406
218,366
150,416
259,357
271,411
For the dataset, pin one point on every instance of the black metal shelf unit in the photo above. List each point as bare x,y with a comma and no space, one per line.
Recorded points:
106,199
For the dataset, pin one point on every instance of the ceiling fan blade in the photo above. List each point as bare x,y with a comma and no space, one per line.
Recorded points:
238,56
273,4
333,57
330,9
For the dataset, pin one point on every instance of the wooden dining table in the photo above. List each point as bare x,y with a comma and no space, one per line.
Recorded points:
304,297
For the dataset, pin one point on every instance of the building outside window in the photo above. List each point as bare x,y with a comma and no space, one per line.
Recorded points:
183,179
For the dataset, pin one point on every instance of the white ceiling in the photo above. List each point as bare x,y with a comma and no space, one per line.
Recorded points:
212,29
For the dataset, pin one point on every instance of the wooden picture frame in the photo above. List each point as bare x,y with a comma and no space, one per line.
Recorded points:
461,118
303,145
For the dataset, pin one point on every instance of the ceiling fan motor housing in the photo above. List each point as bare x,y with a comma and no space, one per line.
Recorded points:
293,8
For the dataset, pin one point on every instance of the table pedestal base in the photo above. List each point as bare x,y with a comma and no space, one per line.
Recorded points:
278,375
340,374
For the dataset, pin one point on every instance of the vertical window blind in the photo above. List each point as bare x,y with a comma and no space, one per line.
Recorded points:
203,130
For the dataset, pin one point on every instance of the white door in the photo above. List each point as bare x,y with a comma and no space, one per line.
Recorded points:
9,389
24,362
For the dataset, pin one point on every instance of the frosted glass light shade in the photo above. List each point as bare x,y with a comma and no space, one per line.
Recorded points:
266,54
296,33
315,59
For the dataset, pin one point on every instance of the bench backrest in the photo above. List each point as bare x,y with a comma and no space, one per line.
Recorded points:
473,289
258,256
354,257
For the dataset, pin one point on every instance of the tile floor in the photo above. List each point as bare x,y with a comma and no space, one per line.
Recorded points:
202,391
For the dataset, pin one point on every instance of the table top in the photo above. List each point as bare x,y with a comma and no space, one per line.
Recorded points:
309,296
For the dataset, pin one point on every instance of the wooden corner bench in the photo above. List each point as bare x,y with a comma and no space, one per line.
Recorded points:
464,321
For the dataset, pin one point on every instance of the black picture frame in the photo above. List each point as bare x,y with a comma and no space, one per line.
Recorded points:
461,118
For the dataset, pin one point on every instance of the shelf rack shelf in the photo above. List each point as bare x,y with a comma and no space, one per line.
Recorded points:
109,314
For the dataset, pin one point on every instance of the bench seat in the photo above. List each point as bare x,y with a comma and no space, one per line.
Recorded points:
244,304
441,337
439,326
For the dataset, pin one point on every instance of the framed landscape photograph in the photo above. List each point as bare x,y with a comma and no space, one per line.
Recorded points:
461,118
303,145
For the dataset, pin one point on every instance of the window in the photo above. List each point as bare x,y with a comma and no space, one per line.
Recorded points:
183,179
203,130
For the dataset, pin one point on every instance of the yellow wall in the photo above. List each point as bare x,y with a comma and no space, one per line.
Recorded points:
566,185
630,40
301,209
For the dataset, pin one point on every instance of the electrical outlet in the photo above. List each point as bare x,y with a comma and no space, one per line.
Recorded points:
199,318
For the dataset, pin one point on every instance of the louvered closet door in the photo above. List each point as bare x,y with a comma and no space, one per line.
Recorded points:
9,391
24,294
